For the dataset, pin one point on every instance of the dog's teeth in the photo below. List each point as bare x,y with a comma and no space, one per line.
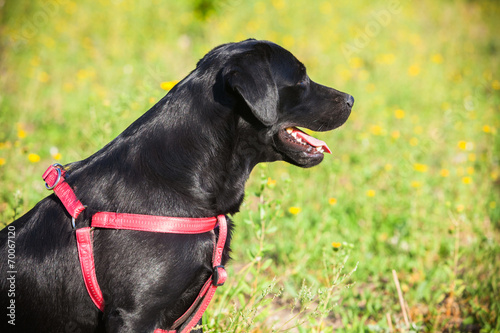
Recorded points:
289,130
294,135
320,149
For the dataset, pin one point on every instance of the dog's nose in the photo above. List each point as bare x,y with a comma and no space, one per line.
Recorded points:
350,101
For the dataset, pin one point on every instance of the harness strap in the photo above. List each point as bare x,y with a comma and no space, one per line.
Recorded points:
86,255
55,177
54,180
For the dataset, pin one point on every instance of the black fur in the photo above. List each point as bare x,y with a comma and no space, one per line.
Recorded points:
189,156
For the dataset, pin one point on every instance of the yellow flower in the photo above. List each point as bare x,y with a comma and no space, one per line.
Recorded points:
288,41
21,134
495,85
466,180
376,130
444,173
168,85
399,114
437,58
294,210
395,134
493,205
460,208
57,156
43,77
416,184
271,181
464,145
487,129
420,167
388,167
356,62
278,4
332,201
2,161
370,193
414,142
33,158
445,106
325,8
414,70
386,58
470,170
336,245
472,157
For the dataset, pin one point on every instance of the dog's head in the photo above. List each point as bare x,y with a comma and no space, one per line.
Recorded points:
271,91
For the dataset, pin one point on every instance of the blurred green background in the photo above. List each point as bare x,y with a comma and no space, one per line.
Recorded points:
412,185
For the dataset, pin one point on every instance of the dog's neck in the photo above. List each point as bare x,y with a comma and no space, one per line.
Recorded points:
189,165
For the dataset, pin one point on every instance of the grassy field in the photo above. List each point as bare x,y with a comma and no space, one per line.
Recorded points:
412,185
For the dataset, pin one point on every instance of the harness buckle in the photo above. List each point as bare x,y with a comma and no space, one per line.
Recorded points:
59,169
219,279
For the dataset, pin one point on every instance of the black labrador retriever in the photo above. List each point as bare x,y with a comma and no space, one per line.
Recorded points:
188,156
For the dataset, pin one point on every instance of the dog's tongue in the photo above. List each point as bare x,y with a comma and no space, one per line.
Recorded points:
310,140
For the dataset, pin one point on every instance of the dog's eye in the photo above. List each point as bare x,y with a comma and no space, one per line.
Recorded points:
302,83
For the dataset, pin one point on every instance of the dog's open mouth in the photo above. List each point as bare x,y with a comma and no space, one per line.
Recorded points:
304,142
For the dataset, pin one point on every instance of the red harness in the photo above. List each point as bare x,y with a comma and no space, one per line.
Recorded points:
54,180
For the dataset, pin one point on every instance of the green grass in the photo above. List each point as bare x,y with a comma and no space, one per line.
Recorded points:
412,185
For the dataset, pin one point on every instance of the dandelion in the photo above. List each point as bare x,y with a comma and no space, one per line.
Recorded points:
414,70
414,142
376,130
495,85
487,129
460,208
416,184
288,41
493,204
356,62
294,210
43,77
471,157
437,58
325,8
445,106
467,180
336,245
279,4
21,133
399,114
270,181
444,173
332,201
370,193
168,85
388,167
386,58
464,145
395,135
34,158
420,167
470,170
2,161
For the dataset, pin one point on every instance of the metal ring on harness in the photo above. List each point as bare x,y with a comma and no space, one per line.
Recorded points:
59,167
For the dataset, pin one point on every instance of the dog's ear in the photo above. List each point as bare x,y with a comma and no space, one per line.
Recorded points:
249,76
